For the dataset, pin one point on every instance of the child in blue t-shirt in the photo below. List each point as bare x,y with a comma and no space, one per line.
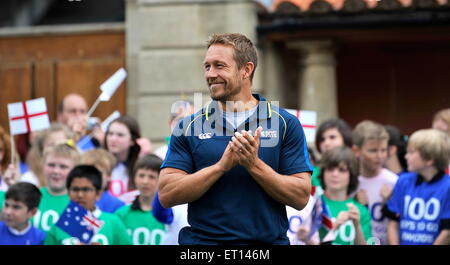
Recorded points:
21,202
419,209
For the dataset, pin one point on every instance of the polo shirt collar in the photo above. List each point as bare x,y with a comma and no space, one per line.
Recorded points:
213,109
263,105
435,178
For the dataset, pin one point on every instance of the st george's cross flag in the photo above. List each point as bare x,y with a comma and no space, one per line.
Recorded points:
28,116
308,119
79,222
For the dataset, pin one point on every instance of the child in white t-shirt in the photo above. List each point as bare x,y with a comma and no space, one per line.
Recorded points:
370,143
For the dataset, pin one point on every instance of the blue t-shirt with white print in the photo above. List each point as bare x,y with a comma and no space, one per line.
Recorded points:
423,207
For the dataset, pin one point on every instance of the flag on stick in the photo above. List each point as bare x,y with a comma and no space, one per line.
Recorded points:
321,218
28,116
108,88
79,222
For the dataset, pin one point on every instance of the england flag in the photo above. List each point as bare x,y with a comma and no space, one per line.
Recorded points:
28,116
308,119
78,222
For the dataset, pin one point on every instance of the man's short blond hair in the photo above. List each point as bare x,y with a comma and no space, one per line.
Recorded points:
368,130
433,145
101,159
244,49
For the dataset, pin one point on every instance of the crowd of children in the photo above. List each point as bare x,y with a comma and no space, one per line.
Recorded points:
401,185
371,185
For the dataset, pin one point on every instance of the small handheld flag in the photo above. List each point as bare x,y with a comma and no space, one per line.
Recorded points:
25,117
321,218
28,116
108,88
78,222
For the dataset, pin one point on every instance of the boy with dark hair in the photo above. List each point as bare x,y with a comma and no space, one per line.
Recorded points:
396,161
21,202
339,179
84,184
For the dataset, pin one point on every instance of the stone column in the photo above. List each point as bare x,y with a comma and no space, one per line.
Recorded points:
317,82
166,45
272,74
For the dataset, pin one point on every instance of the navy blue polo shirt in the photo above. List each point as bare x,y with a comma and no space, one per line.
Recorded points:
236,209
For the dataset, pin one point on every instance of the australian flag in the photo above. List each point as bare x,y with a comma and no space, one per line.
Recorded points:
78,222
321,217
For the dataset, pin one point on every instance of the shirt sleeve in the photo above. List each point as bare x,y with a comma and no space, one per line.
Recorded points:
294,156
394,205
444,223
179,153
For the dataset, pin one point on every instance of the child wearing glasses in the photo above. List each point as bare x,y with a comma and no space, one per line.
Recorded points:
84,184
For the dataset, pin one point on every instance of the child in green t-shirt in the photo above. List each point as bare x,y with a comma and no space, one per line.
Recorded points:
84,184
331,133
58,161
143,228
339,178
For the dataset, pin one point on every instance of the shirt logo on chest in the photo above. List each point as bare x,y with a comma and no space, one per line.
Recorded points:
269,134
204,136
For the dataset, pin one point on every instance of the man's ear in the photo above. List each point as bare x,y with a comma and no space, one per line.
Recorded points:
249,67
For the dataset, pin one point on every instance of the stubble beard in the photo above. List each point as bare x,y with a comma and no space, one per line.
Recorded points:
228,93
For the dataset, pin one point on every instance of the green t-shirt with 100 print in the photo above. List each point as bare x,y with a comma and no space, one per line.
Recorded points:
49,210
346,232
112,232
143,228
